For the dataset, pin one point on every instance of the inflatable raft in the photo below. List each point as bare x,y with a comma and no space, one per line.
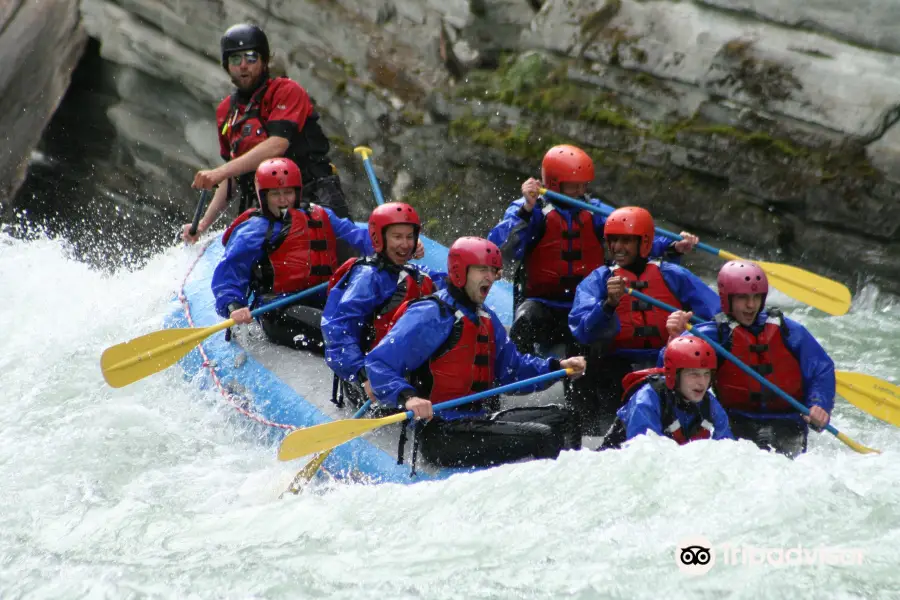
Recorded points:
286,389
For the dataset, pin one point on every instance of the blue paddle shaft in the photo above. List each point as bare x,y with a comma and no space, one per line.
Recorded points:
510,387
376,189
722,351
289,299
362,410
606,212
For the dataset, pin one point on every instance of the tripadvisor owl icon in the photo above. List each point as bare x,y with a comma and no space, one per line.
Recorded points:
695,555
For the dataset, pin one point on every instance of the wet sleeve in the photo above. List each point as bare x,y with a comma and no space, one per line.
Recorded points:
642,414
511,366
347,230
515,230
815,365
721,426
664,248
439,278
412,340
344,320
691,291
590,320
231,277
289,107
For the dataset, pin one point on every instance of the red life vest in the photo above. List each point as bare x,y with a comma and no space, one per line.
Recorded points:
563,256
643,326
766,354
411,284
463,364
242,127
701,429
300,256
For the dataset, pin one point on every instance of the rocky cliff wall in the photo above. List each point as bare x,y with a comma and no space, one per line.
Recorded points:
771,124
40,43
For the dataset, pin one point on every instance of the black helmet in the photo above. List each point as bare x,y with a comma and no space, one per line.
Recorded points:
244,37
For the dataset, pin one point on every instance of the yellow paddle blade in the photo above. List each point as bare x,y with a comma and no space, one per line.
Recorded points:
814,290
306,473
875,396
133,360
318,438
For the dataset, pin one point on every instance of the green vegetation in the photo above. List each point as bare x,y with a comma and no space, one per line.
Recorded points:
539,85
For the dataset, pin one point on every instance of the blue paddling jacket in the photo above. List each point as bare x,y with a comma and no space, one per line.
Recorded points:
246,247
368,288
654,408
592,321
520,233
799,366
424,328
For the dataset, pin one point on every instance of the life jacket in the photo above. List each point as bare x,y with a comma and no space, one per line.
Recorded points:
243,127
411,284
298,257
464,362
766,354
642,325
563,256
700,429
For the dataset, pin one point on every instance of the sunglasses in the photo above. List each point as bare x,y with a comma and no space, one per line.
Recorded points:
235,59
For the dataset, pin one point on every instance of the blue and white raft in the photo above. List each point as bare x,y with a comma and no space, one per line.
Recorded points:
287,389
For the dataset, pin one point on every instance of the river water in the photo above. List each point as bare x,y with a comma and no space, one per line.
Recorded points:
160,490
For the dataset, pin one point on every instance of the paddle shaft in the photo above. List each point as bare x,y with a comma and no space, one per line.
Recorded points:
606,212
319,438
509,387
364,153
289,299
810,283
201,204
204,332
722,351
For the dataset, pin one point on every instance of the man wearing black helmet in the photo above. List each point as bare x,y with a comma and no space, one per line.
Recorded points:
264,118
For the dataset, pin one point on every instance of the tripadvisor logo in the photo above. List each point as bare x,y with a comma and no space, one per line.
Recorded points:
696,556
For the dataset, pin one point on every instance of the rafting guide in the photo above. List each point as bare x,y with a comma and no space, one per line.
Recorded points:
697,556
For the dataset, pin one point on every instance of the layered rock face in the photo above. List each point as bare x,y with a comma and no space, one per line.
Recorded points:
40,43
771,124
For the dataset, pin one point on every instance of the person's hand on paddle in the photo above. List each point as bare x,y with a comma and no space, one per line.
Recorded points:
615,289
208,179
186,233
677,322
421,408
241,316
687,243
531,189
818,418
420,250
577,364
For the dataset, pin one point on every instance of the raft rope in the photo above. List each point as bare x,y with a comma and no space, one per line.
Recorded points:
239,403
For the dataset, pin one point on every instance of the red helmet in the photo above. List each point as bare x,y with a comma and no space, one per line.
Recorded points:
276,173
687,352
566,163
392,213
632,220
468,251
741,277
